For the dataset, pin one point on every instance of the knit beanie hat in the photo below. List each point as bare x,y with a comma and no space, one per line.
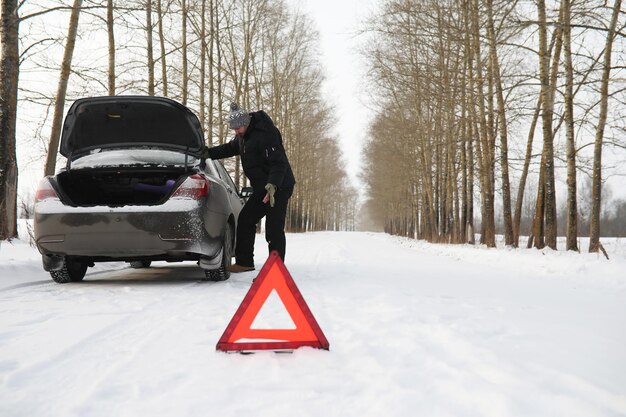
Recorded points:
238,116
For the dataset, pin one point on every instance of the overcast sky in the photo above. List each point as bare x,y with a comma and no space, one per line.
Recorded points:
337,22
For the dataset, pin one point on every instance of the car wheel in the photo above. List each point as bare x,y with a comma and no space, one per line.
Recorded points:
140,264
72,271
221,273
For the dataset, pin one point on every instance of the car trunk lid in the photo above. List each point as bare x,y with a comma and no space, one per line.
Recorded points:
130,122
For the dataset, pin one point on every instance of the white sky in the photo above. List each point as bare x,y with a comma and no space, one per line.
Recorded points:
337,22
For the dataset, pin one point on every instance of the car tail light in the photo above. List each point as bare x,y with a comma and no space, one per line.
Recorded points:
45,191
194,187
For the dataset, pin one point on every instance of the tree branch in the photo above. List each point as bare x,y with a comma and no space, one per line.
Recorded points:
54,9
23,54
579,26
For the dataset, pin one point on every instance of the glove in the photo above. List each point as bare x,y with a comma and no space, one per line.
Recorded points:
271,189
205,152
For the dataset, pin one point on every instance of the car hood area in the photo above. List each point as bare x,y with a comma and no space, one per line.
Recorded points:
130,122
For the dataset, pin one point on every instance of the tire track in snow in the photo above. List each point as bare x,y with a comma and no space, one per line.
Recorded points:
121,339
49,283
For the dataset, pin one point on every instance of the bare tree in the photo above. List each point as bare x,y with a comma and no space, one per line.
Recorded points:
149,47
486,153
211,63
203,59
66,65
9,70
111,34
572,209
216,38
504,147
547,101
162,45
594,229
517,219
183,47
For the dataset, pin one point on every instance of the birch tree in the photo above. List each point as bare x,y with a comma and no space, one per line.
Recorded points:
161,35
594,229
149,48
9,69
59,107
547,183
111,39
502,122
183,47
572,208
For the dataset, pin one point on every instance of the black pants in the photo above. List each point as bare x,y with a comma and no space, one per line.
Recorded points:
251,213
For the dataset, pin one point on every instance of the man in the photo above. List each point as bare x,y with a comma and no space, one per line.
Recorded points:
260,145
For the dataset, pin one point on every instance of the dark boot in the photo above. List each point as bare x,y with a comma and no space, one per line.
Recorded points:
235,268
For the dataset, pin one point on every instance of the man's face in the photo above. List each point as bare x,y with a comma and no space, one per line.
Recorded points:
240,131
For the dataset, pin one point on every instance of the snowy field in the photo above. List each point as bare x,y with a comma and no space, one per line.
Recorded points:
414,330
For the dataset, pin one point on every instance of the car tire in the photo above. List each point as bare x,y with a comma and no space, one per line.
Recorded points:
140,264
221,273
72,271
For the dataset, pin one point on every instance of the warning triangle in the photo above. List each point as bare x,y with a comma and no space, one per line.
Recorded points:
240,334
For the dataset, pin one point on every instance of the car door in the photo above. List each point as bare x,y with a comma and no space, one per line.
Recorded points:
236,201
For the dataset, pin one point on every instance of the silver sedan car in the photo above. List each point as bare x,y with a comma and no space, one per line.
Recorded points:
135,189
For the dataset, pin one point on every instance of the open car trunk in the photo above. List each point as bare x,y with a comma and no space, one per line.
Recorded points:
95,123
116,188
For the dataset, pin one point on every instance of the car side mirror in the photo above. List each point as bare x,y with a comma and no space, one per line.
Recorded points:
246,192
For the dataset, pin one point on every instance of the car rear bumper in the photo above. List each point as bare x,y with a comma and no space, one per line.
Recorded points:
180,230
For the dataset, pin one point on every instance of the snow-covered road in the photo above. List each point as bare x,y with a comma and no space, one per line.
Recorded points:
414,330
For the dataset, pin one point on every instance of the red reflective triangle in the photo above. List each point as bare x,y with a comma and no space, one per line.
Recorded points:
273,276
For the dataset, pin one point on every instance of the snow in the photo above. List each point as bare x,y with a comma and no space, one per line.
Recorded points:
99,158
415,330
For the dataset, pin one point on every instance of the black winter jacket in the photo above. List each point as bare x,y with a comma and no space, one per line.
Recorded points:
262,154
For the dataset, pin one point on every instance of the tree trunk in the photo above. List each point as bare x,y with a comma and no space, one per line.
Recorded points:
218,74
110,31
211,47
468,102
9,74
469,231
529,148
162,46
149,47
594,227
504,153
463,167
486,173
517,220
538,234
203,50
184,50
64,76
572,208
547,100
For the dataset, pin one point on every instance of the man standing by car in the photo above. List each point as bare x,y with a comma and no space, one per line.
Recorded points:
260,145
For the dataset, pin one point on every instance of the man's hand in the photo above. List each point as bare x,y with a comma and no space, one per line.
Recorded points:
271,189
205,153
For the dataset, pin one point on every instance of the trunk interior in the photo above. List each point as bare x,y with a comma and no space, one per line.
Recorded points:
117,188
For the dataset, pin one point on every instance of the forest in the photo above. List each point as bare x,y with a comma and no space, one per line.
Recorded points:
488,106
490,117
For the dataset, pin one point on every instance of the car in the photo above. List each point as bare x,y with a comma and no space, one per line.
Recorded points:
135,188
